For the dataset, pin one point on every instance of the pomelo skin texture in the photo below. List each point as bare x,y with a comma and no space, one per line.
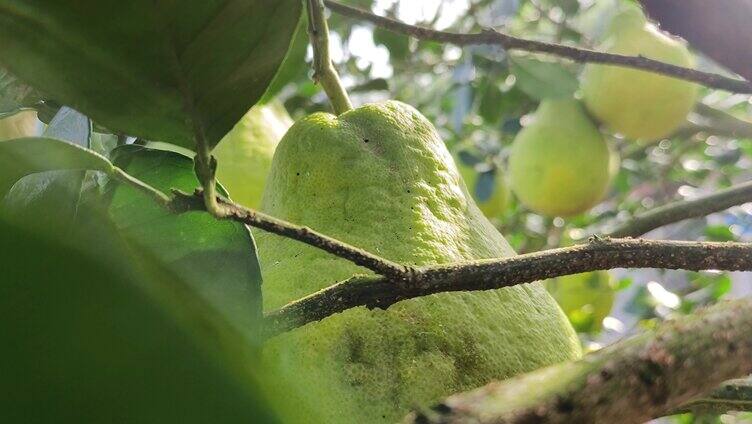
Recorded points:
494,205
559,164
244,155
379,177
639,104
22,124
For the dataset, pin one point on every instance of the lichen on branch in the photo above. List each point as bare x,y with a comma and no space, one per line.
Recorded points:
632,381
597,254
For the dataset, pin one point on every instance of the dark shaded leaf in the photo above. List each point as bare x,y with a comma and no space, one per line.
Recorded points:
485,185
217,259
15,95
468,158
97,333
294,66
161,70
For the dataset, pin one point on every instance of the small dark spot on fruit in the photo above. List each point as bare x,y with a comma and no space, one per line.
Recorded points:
408,190
442,408
297,173
606,375
365,140
564,405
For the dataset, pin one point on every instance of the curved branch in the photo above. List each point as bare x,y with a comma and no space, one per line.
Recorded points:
733,395
576,54
685,209
598,254
183,202
629,382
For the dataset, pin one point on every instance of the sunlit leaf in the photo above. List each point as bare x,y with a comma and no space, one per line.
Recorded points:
542,79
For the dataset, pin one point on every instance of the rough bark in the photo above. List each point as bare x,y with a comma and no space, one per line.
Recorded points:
629,382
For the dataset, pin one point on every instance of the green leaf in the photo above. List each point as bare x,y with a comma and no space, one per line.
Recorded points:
541,79
94,331
397,44
157,69
15,95
217,259
294,65
719,233
496,104
26,156
37,196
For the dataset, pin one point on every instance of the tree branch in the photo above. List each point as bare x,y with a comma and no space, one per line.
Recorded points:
598,254
183,202
629,382
160,198
576,54
723,123
733,395
681,210
324,72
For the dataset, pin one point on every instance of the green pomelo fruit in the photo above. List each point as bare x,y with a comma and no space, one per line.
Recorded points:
639,104
244,155
21,124
494,204
614,165
559,164
586,298
380,178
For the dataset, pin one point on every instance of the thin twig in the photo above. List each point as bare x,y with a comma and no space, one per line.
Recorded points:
184,202
631,381
732,395
723,123
573,53
125,178
598,254
324,72
681,210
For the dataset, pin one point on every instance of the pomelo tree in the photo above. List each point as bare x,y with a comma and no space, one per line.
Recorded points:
369,211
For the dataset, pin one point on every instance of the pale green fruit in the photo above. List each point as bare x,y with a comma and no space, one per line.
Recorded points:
21,124
380,178
639,104
614,165
586,298
244,155
493,206
559,164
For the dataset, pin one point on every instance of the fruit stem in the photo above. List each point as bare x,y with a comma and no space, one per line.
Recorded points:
125,178
323,70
